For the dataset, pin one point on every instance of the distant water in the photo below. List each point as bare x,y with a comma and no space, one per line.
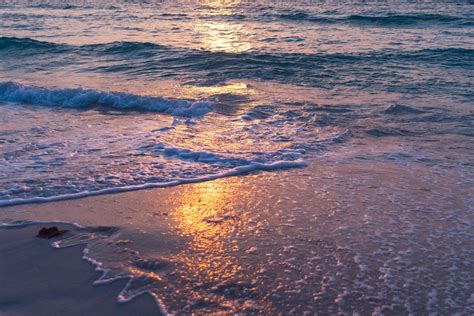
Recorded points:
107,97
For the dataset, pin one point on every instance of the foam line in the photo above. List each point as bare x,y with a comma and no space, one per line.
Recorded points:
233,172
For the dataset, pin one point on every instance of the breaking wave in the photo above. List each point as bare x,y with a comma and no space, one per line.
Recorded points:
80,98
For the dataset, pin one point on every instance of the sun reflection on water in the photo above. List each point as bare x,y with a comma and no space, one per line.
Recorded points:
230,88
222,36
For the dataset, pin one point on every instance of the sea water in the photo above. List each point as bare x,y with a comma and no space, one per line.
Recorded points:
99,97
96,96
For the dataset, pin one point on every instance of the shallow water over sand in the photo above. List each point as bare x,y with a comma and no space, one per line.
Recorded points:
397,239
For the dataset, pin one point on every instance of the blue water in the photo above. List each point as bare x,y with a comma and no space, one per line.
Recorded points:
95,95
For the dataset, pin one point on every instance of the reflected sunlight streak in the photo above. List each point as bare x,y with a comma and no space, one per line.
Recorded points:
222,36
205,217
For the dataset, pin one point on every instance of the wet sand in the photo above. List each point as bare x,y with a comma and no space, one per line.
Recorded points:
333,237
40,280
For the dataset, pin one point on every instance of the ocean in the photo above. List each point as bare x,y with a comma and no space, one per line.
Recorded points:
102,97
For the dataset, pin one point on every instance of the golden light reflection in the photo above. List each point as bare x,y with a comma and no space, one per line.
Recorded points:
152,275
233,88
222,36
232,98
205,215
221,4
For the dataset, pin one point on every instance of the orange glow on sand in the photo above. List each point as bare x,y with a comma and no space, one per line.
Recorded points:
205,215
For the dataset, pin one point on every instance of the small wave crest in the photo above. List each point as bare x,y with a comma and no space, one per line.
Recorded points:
404,19
29,45
80,98
16,43
391,20
401,109
171,60
245,169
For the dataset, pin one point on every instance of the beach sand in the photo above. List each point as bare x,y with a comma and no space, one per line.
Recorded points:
322,234
40,280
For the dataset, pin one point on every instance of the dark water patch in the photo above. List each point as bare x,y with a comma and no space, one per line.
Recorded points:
280,62
394,20
21,16
65,6
259,113
228,103
18,44
401,109
450,56
386,132
124,48
171,16
329,108
389,20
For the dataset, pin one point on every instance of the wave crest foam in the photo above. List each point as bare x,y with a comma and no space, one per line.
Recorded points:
80,98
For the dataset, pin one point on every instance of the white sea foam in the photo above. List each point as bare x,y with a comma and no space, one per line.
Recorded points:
167,151
80,98
232,172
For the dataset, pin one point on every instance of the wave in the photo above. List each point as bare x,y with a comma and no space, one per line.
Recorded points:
153,61
240,170
391,20
331,17
385,132
170,152
124,47
405,19
401,109
16,43
80,98
19,45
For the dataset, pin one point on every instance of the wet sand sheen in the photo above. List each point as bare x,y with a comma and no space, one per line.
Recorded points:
38,279
289,242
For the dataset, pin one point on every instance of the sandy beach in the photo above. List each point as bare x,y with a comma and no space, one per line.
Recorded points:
38,279
256,243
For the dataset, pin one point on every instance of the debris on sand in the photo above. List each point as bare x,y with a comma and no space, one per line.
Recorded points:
50,232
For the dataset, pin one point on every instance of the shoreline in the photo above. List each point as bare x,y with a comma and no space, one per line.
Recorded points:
238,171
260,229
39,279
